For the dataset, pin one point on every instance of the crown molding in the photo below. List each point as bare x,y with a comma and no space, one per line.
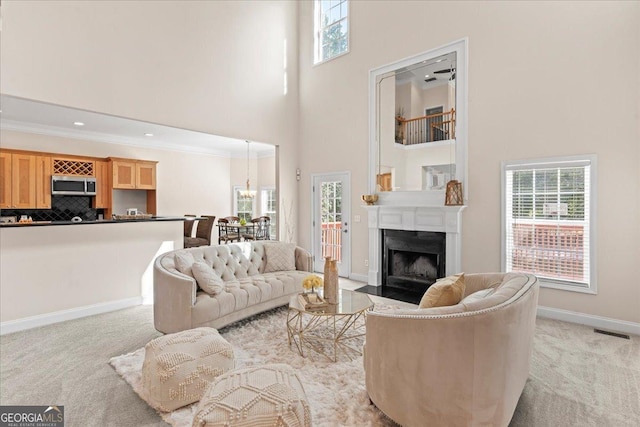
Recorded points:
39,129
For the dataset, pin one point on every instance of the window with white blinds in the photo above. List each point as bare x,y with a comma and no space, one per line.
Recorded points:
548,209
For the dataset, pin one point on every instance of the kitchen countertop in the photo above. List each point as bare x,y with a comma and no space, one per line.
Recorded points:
104,221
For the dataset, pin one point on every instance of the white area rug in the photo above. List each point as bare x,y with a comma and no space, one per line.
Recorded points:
336,391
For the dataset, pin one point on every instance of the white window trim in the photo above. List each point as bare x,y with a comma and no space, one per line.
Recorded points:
234,207
263,210
591,159
317,57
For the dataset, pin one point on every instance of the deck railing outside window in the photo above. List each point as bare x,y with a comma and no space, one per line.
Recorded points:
549,250
331,239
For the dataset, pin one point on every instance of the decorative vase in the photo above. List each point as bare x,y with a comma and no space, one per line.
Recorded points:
330,280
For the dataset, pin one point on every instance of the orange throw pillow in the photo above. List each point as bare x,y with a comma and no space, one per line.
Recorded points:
446,291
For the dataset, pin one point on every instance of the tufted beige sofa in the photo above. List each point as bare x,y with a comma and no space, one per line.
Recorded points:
460,365
179,303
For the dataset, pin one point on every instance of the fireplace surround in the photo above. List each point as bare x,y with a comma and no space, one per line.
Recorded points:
446,220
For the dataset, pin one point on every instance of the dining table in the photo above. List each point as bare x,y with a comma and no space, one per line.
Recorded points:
241,230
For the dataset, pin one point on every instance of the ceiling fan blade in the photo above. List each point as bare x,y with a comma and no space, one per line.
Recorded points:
448,70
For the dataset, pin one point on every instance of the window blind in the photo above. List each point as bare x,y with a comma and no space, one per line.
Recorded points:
547,220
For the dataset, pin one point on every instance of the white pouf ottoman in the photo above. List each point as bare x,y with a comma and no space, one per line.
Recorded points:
269,395
178,368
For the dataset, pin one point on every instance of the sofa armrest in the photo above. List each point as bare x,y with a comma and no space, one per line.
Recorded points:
304,262
174,295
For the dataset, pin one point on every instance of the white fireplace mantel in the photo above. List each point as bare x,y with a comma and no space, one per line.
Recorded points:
445,219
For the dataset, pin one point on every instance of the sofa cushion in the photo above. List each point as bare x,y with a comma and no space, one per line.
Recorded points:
469,300
208,280
184,260
280,257
446,291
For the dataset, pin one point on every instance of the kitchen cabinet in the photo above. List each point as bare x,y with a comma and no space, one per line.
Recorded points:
23,181
146,175
43,182
124,174
73,166
5,180
103,189
133,174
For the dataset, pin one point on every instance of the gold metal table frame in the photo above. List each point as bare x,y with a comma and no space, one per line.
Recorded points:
330,329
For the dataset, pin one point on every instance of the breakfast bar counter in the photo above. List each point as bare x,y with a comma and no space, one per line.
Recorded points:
50,273
100,221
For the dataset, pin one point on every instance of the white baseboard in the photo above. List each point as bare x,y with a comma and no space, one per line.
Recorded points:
606,323
359,277
70,314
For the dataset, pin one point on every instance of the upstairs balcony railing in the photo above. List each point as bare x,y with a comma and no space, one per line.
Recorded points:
431,128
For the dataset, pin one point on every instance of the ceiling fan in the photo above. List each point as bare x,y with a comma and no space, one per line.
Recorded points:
446,71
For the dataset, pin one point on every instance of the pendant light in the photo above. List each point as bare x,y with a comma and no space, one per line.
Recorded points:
247,193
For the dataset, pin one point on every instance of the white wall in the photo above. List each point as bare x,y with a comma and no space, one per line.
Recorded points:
530,63
216,67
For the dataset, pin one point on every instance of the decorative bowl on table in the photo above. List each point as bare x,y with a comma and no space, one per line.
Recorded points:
370,199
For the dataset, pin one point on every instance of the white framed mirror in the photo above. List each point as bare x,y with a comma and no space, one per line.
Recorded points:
418,126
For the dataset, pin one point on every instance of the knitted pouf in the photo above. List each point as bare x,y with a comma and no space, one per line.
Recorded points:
269,395
178,368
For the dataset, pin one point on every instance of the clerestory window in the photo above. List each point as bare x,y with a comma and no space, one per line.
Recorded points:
548,216
331,29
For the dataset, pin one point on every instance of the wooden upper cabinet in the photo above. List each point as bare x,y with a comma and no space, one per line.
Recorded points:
146,175
124,174
103,188
23,181
43,182
133,174
5,180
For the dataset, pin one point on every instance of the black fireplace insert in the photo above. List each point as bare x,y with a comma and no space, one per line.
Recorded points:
412,260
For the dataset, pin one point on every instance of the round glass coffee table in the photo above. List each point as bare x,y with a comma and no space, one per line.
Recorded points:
331,329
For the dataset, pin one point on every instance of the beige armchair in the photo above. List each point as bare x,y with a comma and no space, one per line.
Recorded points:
461,365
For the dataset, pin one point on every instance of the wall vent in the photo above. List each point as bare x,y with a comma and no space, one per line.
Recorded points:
613,334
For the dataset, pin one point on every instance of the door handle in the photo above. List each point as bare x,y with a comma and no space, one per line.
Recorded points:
345,230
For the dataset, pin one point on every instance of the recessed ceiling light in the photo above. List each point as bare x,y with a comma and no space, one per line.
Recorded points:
148,134
440,60
78,123
427,76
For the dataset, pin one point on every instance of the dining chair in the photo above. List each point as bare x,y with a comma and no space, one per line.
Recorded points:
260,229
188,225
203,233
233,219
225,233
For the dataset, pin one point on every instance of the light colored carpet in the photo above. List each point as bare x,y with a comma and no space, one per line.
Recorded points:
335,391
578,378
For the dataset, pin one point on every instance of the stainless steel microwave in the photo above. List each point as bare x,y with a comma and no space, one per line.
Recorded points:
73,186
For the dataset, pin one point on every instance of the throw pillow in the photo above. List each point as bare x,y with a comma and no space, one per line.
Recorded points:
184,261
208,280
280,257
446,291
476,296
